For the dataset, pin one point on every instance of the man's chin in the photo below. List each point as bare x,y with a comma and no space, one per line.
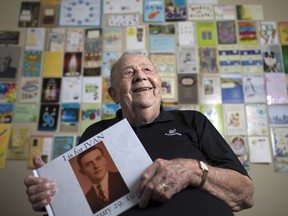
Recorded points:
146,104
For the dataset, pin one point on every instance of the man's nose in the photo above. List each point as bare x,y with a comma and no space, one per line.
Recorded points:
139,75
95,165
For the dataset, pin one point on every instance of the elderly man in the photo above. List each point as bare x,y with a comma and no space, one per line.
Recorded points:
194,171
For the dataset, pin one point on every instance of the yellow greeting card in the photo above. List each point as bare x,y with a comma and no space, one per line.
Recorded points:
52,66
5,131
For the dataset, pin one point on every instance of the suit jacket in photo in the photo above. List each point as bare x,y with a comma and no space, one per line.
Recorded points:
116,186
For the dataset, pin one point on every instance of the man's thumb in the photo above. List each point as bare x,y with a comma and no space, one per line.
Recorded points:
38,162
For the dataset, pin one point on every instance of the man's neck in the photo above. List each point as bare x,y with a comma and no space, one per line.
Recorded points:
140,116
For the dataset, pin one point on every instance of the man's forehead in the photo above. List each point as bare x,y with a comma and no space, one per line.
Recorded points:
135,60
93,153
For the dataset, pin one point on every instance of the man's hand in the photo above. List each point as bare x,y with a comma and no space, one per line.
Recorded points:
40,190
164,178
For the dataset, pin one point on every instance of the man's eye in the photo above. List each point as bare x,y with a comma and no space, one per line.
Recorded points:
88,164
128,73
99,158
148,70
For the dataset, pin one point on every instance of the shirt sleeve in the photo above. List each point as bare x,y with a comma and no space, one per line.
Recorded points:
214,146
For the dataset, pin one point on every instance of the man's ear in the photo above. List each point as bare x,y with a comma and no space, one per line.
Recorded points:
112,93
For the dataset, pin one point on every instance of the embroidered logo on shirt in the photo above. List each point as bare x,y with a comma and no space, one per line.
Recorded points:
173,132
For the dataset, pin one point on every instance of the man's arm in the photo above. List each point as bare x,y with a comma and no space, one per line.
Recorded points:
234,188
164,178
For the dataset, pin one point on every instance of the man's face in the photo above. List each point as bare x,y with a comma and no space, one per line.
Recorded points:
4,63
94,165
136,83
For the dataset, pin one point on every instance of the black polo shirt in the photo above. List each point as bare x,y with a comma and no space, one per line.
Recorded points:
181,134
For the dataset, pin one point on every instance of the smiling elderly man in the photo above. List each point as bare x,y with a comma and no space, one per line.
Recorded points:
194,171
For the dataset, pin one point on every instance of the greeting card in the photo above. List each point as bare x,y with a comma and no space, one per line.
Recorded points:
90,113
206,33
26,112
257,123
91,90
40,146
234,119
249,12
74,39
208,60
231,87
226,31
51,88
80,13
35,38
209,89
72,66
6,113
254,88
62,144
18,148
154,11
29,14
251,59
268,32
224,12
48,15
52,64
187,61
135,38
272,58
229,59
48,117
30,90
214,113
259,149
200,12
112,39
175,10
71,90
239,145
109,111
247,31
69,117
32,63
165,63
123,20
186,33
187,88
55,39
283,32
8,92
276,88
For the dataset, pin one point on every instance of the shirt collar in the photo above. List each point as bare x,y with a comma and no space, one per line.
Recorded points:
163,116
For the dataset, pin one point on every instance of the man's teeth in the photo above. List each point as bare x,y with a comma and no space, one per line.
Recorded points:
142,89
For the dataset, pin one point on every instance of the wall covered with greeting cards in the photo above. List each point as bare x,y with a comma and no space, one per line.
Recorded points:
228,60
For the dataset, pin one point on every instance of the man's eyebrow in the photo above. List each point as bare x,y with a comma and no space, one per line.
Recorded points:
133,66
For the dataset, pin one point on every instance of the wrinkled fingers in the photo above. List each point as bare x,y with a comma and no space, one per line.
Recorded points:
40,191
38,201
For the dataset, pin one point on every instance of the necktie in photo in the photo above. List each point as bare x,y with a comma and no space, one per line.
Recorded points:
102,199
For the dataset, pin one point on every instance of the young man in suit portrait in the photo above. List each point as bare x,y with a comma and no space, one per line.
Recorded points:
106,186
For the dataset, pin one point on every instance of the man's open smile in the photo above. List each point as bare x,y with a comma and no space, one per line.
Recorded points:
142,89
